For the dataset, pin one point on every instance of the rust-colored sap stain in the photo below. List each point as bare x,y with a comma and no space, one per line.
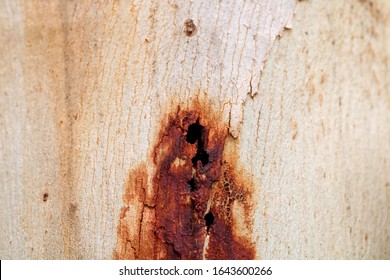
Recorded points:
131,231
225,240
164,217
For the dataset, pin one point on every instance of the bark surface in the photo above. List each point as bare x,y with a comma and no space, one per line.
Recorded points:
292,101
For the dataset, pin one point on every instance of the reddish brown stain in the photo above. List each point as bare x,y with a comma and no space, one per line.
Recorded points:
163,216
131,217
224,242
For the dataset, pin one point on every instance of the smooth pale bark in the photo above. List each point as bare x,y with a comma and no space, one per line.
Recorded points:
303,88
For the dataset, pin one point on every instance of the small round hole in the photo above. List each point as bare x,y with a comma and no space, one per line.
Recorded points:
209,218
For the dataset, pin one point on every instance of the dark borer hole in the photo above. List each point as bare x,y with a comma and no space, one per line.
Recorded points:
209,218
191,184
201,155
194,133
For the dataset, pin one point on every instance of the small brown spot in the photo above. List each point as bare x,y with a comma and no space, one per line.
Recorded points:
189,27
294,127
324,78
310,85
72,210
45,196
321,98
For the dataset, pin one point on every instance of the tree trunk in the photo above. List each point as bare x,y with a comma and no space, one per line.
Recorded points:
195,129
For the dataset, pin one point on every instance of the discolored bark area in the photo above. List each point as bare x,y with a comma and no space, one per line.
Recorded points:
192,197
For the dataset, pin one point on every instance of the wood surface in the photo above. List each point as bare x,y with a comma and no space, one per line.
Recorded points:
302,89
